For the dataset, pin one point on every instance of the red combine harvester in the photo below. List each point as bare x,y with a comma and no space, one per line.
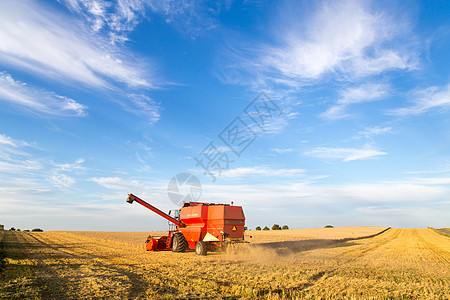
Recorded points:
199,226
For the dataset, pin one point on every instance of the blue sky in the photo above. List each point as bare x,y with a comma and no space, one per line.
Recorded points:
99,99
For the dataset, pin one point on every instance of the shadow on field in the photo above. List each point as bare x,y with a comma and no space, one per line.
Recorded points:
57,271
306,245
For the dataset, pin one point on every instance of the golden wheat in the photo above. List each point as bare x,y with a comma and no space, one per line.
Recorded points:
293,264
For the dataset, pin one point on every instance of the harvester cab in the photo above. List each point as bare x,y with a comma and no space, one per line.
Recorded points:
174,213
199,226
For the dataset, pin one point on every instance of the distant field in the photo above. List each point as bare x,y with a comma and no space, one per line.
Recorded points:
292,264
253,236
267,236
134,237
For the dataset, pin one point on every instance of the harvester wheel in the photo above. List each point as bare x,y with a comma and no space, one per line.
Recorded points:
179,243
200,248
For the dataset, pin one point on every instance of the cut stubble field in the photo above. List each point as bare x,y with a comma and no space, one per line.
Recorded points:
363,262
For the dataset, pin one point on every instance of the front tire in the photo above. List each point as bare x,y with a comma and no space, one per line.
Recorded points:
200,248
179,243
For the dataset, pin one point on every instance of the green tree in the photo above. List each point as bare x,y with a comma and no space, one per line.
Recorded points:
285,227
328,226
266,228
258,228
276,227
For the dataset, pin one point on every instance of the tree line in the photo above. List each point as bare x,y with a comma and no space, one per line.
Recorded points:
274,227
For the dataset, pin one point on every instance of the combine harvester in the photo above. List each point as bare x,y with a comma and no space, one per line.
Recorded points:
199,226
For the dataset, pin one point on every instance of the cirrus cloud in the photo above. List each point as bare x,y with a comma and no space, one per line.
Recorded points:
345,154
38,39
36,100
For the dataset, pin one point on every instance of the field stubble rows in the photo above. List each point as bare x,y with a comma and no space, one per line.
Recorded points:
303,263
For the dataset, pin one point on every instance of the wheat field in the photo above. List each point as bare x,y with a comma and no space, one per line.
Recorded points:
354,263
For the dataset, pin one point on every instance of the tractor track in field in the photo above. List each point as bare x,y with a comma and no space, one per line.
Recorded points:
438,252
384,240
355,255
386,243
401,263
24,250
86,255
83,264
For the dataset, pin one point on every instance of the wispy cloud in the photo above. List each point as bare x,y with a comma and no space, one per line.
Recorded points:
41,40
430,180
17,161
14,166
144,106
369,133
63,180
262,171
345,39
433,98
115,18
190,17
118,18
346,154
348,195
13,159
36,100
374,131
362,94
63,173
8,141
116,183
280,151
75,166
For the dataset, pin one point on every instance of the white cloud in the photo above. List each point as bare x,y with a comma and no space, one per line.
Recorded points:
38,39
347,39
339,38
8,141
117,183
76,166
117,18
63,180
120,17
380,210
14,166
280,151
373,131
430,180
12,157
345,154
144,106
432,98
189,17
362,94
347,195
261,171
36,100
370,132
24,166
